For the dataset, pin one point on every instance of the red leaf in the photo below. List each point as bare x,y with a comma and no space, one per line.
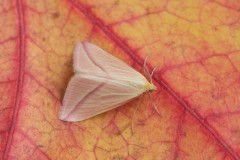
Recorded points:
196,45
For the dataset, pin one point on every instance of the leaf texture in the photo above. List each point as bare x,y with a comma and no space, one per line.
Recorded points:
194,43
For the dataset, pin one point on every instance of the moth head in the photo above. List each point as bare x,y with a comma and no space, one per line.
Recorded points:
151,87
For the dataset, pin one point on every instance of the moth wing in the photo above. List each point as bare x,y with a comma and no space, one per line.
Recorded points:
86,97
101,82
89,58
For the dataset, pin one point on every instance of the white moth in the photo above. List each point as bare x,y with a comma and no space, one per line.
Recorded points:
101,82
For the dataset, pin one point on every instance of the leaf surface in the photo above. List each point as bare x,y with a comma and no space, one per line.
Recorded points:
194,43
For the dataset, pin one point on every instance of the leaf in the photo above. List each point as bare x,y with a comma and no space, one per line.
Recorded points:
195,44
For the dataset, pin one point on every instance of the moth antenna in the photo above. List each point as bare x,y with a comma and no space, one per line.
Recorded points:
153,105
145,68
154,69
134,112
145,61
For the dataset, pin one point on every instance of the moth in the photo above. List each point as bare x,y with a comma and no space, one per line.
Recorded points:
101,82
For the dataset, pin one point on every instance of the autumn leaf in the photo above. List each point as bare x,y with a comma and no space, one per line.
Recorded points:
196,45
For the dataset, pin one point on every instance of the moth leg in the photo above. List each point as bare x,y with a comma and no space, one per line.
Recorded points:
154,106
134,112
